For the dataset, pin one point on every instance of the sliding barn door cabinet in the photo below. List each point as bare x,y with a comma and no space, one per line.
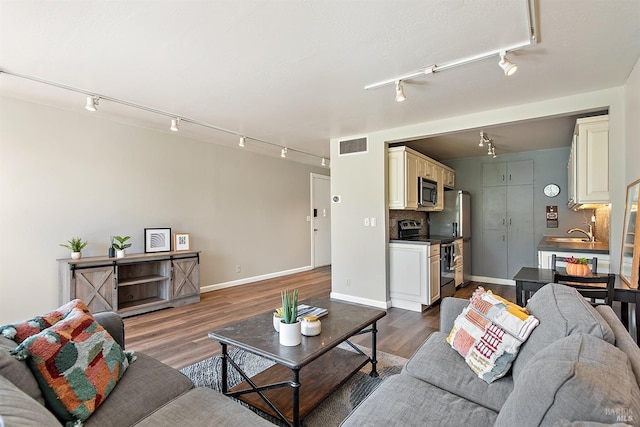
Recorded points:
135,284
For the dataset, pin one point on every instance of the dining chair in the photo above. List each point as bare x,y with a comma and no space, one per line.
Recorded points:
592,262
590,286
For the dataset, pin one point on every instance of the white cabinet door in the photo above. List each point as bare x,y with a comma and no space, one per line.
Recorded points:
592,171
409,272
411,185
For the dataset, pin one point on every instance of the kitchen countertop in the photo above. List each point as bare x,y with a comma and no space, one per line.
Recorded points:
423,240
590,247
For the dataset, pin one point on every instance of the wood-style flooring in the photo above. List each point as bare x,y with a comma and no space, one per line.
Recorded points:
178,336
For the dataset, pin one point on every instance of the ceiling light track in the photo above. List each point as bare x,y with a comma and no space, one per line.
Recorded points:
93,98
500,53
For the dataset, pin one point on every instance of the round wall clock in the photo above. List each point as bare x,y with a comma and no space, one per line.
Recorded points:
551,190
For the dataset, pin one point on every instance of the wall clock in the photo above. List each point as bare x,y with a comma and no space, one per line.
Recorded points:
551,190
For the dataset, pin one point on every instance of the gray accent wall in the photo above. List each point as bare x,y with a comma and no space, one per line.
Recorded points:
65,174
549,166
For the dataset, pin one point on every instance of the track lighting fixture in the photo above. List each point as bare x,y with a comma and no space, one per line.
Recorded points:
491,148
93,99
323,162
507,66
399,91
92,102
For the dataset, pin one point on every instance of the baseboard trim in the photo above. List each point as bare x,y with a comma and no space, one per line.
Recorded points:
366,301
246,280
493,280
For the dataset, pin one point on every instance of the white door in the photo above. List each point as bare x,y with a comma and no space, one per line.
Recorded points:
320,220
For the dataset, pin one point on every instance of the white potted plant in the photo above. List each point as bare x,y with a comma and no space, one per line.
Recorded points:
75,245
290,331
121,245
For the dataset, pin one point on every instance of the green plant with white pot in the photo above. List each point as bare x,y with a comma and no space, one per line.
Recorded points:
290,331
121,245
75,245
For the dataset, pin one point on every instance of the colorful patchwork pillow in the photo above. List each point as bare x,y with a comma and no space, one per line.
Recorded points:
489,332
23,330
76,363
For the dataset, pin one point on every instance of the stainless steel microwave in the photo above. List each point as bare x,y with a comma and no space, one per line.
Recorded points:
427,193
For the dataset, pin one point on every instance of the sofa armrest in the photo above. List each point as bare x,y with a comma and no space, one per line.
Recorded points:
113,323
449,309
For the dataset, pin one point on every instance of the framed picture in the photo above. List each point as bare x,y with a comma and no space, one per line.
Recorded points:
180,241
157,239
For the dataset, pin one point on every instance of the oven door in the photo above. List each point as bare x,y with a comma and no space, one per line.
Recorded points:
447,270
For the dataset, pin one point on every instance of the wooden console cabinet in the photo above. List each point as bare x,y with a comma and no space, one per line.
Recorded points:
135,284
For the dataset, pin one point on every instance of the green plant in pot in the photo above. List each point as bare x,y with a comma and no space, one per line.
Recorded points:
75,245
121,245
290,332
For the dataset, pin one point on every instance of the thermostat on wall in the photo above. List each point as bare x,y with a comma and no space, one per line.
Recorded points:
336,199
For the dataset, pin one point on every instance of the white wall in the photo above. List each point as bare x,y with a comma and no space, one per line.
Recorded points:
632,109
65,174
361,256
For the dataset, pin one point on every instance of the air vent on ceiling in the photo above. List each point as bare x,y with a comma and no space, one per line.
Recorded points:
353,146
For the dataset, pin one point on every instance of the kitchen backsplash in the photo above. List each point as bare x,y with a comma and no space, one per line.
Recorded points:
399,215
602,223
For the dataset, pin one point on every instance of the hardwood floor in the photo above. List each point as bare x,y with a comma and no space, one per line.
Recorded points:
178,336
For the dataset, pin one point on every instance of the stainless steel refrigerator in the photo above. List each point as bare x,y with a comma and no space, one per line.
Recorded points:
455,221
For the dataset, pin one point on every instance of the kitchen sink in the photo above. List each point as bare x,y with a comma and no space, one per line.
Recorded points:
568,239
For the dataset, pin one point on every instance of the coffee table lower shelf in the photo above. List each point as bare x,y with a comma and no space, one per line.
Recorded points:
318,380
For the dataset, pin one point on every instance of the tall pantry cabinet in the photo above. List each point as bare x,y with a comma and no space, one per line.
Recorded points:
507,218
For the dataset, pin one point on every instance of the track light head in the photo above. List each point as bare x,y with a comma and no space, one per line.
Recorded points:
507,66
481,143
92,102
399,91
283,153
323,162
242,140
175,123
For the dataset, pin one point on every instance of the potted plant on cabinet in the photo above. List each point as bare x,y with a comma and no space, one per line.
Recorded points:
121,245
290,331
75,245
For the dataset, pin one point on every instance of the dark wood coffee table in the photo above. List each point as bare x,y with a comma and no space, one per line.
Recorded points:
313,369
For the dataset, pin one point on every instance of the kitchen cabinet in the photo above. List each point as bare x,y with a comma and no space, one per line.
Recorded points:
136,284
588,165
507,218
405,166
414,275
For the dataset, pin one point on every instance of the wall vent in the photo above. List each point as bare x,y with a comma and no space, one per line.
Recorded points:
353,146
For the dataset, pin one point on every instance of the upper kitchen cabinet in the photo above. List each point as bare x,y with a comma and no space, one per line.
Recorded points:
511,173
405,166
588,166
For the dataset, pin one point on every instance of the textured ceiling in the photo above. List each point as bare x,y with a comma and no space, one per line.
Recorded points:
293,72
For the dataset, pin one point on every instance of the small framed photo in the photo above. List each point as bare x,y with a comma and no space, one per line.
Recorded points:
157,239
180,242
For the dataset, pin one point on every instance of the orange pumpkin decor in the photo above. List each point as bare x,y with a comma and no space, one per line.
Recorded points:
578,267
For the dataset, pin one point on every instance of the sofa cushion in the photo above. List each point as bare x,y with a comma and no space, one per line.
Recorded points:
577,378
201,407
17,371
76,363
147,385
562,311
489,332
19,409
402,400
22,330
438,364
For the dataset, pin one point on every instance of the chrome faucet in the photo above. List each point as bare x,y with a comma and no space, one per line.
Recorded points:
589,233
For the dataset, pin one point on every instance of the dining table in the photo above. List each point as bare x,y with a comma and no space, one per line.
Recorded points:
530,279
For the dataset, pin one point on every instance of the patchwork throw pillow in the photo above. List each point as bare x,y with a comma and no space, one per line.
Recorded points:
22,330
489,332
76,363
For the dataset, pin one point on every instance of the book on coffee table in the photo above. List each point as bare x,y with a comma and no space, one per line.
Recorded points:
309,310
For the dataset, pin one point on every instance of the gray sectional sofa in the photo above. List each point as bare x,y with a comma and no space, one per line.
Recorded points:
578,367
149,394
